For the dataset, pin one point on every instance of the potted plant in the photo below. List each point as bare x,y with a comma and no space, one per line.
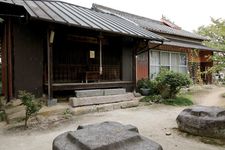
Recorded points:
143,87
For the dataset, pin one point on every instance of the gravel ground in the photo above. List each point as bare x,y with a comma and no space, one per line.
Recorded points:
153,121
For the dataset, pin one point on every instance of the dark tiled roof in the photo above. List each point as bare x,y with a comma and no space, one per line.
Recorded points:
65,13
186,44
149,24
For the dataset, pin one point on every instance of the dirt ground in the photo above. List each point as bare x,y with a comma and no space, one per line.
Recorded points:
153,121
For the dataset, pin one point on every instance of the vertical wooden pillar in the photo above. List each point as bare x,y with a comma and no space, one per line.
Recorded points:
50,39
4,63
100,55
7,82
10,67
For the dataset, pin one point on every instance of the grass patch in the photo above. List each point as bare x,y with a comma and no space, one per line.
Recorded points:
152,98
178,101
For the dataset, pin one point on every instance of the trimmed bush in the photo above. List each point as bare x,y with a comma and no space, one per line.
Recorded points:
147,84
170,83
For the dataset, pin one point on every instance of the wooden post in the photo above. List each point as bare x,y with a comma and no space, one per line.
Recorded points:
149,65
7,85
10,68
50,40
4,64
100,55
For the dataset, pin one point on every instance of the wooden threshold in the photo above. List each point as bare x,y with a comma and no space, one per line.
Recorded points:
94,85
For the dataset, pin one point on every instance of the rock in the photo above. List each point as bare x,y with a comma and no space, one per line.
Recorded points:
104,136
136,94
203,121
168,133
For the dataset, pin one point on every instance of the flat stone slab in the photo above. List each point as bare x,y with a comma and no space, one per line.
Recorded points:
89,93
99,92
203,121
114,91
104,107
104,136
85,101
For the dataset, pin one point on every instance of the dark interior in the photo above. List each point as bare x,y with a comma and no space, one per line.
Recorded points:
76,59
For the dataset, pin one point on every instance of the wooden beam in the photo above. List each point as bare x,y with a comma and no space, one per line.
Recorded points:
94,85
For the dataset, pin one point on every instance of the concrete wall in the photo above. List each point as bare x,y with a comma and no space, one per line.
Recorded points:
28,57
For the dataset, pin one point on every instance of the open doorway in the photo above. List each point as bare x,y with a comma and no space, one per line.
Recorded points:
76,59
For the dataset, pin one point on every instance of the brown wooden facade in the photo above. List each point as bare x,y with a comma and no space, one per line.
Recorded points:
198,62
43,56
75,58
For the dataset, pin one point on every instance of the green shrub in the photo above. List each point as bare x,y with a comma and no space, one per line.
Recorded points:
147,84
169,83
142,84
32,106
67,113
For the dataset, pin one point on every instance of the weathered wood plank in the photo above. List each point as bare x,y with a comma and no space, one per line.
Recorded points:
98,85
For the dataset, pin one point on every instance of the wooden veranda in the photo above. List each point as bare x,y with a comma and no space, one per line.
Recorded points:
87,61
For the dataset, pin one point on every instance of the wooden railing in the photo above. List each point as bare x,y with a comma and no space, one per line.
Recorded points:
81,73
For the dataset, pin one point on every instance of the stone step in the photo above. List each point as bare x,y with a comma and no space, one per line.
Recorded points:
96,100
104,107
99,92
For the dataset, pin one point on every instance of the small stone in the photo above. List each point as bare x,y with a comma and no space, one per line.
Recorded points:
168,133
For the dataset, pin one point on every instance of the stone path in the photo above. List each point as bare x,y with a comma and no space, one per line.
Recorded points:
210,97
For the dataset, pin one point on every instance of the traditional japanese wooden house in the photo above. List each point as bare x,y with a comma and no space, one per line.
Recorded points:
183,53
49,46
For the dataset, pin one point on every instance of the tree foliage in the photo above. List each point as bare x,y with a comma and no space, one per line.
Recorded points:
216,34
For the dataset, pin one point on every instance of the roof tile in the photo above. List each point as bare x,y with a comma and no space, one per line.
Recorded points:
65,13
